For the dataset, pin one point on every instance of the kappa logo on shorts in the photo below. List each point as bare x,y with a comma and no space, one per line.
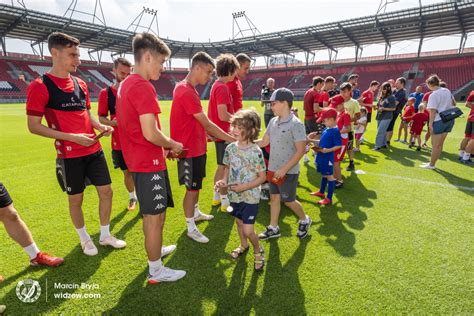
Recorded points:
186,171
186,164
156,177
158,197
187,178
156,187
159,206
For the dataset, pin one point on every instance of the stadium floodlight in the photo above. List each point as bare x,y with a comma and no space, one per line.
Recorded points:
138,22
248,26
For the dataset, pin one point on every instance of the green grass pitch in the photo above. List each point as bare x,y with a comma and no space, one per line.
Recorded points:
398,239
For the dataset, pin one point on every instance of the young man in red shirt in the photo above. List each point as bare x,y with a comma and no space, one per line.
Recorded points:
64,101
186,110
235,86
367,98
325,91
143,145
312,106
467,144
220,111
107,105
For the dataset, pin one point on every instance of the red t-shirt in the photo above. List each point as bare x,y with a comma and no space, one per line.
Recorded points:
137,96
184,127
310,97
104,111
470,98
426,96
343,119
419,120
368,98
77,122
237,93
220,94
408,112
323,97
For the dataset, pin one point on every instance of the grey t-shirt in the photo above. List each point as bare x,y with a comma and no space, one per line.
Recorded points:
386,103
283,135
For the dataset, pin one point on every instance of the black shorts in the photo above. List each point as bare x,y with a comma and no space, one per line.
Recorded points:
118,160
369,117
191,172
469,131
350,144
153,191
247,213
312,126
396,114
74,174
5,198
220,150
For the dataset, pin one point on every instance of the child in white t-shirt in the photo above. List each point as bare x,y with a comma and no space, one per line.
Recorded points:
361,125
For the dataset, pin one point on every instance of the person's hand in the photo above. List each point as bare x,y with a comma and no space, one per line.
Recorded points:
312,135
220,184
176,147
280,173
107,129
83,139
237,188
114,122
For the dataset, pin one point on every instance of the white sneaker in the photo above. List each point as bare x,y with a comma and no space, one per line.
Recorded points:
427,166
166,250
2,308
203,217
89,248
196,235
225,203
166,275
114,242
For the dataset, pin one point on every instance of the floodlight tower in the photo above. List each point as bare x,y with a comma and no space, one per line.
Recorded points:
378,25
137,24
97,15
247,25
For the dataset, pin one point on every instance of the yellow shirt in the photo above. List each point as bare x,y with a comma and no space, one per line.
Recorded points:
353,107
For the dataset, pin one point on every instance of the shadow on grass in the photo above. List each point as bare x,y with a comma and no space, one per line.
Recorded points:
77,268
461,183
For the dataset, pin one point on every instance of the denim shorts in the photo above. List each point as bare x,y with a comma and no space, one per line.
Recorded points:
440,127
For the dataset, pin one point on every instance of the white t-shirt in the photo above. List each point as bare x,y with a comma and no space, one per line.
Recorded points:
440,100
361,128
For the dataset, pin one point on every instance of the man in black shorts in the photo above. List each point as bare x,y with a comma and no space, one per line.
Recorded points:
64,101
107,103
312,105
401,96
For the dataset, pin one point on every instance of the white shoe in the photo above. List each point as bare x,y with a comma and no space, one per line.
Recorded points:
427,166
225,203
2,309
89,248
196,235
112,241
203,217
166,275
166,250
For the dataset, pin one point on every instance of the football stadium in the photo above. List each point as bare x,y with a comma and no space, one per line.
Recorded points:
322,166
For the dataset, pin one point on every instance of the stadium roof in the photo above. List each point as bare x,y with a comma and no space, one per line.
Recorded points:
447,18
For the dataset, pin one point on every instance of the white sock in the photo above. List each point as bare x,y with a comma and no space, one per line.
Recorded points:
217,196
132,195
305,220
461,153
104,231
273,228
197,212
154,266
191,224
224,199
466,156
83,235
32,250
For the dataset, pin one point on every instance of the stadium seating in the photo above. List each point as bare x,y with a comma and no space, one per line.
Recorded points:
455,70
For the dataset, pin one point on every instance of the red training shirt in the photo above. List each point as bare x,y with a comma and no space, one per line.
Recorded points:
368,98
237,93
103,110
343,119
470,98
184,127
408,112
137,96
220,94
310,97
76,122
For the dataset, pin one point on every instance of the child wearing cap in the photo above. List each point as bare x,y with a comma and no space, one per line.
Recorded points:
407,116
329,143
343,122
418,121
287,138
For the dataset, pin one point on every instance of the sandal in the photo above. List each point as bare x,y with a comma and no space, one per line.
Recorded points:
239,251
259,261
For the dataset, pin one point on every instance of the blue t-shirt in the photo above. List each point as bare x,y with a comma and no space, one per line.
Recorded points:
329,138
356,93
418,98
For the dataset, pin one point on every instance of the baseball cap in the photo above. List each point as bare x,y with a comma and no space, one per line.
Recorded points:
336,100
326,113
282,94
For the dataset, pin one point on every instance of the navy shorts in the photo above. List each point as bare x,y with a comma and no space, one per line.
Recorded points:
325,168
440,127
247,213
